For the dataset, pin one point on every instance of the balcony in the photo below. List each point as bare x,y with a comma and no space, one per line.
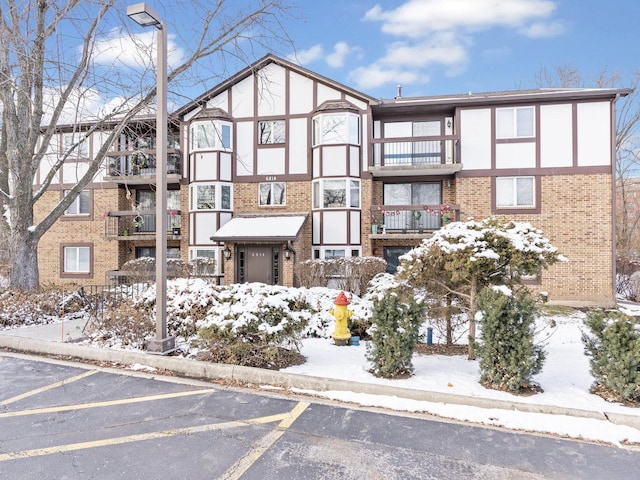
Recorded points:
140,167
437,155
411,221
139,225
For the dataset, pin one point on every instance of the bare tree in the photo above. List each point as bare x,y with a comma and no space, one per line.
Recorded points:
627,165
45,76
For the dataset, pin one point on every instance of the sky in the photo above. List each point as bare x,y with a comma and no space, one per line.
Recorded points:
435,47
430,47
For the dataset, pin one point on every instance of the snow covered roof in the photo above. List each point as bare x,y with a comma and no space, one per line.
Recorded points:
263,228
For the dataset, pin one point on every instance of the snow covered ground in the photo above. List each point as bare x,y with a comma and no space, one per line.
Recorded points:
565,379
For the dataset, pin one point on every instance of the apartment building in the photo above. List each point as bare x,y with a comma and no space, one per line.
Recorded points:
279,165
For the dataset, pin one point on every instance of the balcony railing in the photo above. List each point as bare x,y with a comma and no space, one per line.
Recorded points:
408,152
135,225
412,218
140,164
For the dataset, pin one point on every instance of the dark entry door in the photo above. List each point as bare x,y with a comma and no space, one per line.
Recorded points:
259,263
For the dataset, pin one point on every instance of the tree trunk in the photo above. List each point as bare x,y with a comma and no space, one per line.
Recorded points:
24,263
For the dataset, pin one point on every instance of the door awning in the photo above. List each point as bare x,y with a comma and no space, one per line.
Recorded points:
263,228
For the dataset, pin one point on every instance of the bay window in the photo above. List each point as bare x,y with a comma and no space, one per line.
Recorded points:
336,193
210,135
210,196
336,128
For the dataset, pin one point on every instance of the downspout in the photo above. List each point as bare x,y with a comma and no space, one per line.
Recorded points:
614,223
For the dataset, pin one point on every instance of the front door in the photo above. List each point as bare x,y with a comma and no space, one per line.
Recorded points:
259,263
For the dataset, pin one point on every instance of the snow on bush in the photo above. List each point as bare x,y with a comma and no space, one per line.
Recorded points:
270,311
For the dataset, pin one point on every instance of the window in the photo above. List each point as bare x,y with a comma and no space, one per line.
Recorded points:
207,196
336,128
210,135
143,252
205,261
80,150
412,193
77,259
415,194
270,194
225,202
204,198
515,122
329,253
81,205
270,132
392,256
336,193
515,192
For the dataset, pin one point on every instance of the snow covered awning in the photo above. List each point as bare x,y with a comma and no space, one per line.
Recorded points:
263,228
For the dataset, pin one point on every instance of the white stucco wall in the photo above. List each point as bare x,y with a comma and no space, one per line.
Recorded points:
556,137
475,138
594,134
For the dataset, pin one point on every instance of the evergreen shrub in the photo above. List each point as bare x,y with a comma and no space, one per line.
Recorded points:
394,334
613,346
507,353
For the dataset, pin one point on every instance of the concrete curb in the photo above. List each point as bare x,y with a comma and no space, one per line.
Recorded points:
257,376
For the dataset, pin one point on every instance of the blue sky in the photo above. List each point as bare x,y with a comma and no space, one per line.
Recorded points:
434,47
430,47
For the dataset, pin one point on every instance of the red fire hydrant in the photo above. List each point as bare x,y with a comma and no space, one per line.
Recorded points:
341,335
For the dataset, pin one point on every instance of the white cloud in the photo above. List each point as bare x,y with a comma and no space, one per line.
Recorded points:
440,49
440,33
340,52
419,18
377,75
135,50
543,30
310,55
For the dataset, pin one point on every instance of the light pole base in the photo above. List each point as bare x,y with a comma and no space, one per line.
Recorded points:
160,345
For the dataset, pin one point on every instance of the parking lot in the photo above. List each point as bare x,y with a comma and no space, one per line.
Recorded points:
58,421
61,420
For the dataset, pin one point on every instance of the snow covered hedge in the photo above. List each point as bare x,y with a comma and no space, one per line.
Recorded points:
251,311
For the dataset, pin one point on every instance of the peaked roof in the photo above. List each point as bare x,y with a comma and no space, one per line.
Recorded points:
258,65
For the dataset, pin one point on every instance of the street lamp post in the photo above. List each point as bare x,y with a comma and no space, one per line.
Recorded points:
144,15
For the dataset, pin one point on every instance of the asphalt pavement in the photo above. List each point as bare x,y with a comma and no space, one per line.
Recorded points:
62,339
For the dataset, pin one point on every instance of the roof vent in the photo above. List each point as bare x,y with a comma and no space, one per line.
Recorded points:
398,91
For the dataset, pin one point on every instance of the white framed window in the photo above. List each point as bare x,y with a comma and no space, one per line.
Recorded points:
70,139
336,128
516,122
272,194
271,132
77,260
81,205
329,253
515,192
210,254
210,135
336,193
209,196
